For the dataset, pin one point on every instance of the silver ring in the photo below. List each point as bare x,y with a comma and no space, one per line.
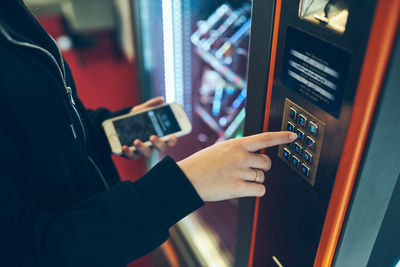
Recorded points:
256,179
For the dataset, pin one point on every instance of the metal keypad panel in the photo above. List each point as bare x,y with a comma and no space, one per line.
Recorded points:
303,154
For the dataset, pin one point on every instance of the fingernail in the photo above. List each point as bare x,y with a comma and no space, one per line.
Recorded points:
292,136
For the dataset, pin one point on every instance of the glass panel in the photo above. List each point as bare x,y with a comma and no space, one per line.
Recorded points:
220,43
195,53
328,13
221,40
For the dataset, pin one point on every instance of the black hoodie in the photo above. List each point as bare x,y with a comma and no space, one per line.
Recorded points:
61,200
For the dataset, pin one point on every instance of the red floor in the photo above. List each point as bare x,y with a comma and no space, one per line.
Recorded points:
104,82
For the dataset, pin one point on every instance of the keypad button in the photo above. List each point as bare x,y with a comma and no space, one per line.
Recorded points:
300,135
313,128
305,170
292,113
286,154
298,148
302,121
290,127
295,162
310,143
302,154
307,156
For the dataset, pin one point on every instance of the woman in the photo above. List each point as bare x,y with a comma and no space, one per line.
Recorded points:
62,203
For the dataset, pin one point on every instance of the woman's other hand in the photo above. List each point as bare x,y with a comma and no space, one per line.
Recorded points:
140,147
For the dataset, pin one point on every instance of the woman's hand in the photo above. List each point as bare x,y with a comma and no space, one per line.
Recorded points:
141,147
232,169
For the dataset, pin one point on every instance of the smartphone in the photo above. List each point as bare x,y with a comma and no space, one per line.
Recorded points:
162,121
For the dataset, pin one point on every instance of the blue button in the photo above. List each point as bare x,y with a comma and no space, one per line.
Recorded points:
300,135
307,156
286,153
297,148
313,128
310,142
290,127
305,170
295,162
292,113
302,121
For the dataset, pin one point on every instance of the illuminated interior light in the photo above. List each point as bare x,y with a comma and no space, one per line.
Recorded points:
173,51
169,69
187,55
178,51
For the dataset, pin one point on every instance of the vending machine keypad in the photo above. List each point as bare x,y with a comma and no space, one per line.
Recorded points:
303,154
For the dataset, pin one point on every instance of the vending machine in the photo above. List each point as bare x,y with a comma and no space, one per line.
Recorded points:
327,70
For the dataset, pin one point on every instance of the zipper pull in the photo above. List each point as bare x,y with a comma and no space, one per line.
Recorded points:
69,92
73,131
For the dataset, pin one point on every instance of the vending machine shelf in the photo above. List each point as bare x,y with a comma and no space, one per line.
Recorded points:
229,74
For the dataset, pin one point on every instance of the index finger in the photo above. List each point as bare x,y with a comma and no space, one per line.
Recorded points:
259,141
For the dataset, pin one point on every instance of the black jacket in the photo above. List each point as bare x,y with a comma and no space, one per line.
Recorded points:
61,200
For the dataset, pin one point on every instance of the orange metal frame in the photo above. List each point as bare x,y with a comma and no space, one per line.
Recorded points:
377,56
170,253
376,59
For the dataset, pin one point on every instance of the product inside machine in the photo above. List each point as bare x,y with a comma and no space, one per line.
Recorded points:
331,13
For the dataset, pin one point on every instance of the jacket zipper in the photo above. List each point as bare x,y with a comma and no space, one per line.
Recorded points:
67,89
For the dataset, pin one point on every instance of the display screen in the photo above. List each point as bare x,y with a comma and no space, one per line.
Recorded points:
315,69
160,122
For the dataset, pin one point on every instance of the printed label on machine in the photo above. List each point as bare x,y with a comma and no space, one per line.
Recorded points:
315,69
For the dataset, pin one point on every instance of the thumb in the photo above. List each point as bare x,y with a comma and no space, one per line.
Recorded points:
153,102
150,103
259,141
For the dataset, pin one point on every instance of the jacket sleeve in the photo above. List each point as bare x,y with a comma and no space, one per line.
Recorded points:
109,229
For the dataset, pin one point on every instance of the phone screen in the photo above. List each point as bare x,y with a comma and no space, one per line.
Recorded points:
160,122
